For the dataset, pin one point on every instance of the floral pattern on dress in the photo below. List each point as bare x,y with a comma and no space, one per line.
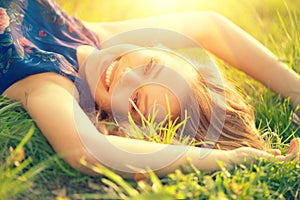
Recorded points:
4,20
41,37
10,50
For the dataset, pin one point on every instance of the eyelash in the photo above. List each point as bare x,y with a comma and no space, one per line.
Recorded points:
135,101
148,68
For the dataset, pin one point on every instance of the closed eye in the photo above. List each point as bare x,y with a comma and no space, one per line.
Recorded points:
134,102
135,112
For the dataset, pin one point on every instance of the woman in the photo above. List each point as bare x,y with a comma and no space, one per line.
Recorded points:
48,64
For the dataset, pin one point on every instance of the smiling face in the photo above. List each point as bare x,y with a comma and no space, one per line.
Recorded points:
143,80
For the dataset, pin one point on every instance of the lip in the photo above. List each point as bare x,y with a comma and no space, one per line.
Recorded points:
106,65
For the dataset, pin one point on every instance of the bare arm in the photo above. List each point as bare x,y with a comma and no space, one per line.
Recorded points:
222,38
49,101
71,134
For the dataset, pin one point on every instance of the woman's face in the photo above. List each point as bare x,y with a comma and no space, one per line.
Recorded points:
141,81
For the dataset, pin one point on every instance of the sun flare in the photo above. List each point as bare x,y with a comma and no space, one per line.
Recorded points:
168,5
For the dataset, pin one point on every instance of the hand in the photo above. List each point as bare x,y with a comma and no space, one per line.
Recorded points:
4,20
249,155
294,152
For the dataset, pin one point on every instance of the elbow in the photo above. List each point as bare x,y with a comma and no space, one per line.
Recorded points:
85,163
82,161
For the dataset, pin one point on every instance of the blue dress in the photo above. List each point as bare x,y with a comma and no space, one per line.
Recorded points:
41,38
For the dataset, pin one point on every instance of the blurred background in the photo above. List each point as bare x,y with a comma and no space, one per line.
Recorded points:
260,18
275,23
113,10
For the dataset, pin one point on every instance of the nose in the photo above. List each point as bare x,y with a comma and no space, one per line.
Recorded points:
130,81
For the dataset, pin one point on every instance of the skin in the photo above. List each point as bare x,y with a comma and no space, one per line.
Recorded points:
153,64
220,37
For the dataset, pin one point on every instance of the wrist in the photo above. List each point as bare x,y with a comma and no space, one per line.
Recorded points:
213,159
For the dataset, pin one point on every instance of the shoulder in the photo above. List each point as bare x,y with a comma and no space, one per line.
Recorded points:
49,100
44,84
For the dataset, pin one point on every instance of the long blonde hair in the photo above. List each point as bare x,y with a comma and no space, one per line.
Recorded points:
235,127
227,125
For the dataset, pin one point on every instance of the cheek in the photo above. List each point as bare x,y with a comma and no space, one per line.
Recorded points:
165,100
160,112
174,107
103,100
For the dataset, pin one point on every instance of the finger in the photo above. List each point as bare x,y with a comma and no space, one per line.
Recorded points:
251,153
294,146
294,152
270,155
292,157
275,152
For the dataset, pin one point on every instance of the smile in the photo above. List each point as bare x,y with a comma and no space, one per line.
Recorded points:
110,72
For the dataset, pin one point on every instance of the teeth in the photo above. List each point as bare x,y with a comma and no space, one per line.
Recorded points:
109,72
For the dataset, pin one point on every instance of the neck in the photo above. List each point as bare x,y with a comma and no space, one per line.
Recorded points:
89,61
83,52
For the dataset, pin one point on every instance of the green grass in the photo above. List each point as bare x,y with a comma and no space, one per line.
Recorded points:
41,174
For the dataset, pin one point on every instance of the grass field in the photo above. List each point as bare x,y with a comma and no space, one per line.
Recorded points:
29,169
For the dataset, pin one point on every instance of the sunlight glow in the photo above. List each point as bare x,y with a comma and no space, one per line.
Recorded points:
169,5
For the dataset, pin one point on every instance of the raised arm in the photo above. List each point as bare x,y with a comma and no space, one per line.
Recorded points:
222,38
72,135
